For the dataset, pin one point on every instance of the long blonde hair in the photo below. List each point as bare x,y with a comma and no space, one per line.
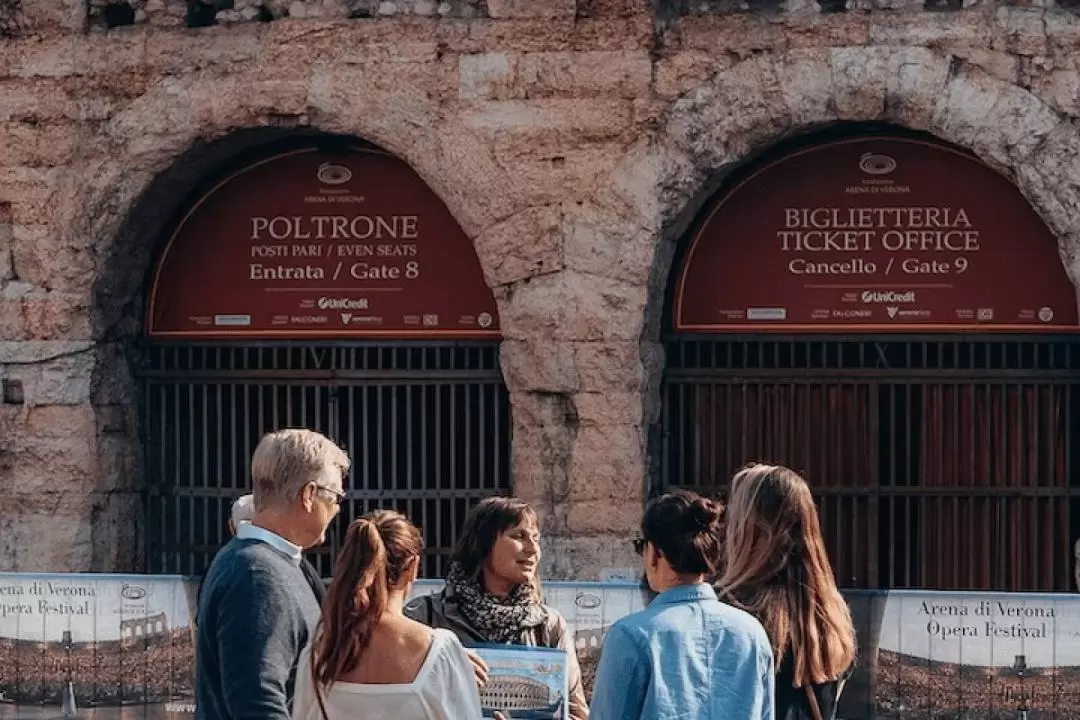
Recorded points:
777,569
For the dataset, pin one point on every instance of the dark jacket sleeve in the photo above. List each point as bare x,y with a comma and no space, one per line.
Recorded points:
260,634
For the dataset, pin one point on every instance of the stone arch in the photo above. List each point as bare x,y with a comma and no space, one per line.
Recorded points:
741,112
123,191
177,134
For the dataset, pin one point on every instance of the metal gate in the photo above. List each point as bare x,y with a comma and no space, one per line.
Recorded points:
427,427
936,463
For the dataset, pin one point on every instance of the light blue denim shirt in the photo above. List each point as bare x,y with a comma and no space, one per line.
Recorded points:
687,656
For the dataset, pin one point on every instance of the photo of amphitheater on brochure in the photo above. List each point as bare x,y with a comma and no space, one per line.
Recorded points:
524,683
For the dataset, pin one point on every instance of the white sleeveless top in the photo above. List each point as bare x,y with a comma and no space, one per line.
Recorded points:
444,689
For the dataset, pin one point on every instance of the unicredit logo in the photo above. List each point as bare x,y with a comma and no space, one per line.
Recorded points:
891,296
326,303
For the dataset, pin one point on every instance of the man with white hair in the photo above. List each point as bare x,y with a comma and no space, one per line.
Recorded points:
257,611
243,510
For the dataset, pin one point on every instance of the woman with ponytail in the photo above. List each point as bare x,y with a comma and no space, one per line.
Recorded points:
687,655
368,660
776,568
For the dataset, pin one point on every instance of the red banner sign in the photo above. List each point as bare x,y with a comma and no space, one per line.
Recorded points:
311,244
874,234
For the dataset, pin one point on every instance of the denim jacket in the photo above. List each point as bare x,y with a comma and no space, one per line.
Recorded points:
686,656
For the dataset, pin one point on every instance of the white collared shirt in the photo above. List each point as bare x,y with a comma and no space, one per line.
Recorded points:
248,531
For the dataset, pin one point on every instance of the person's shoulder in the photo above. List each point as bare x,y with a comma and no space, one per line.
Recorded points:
448,649
637,624
739,621
445,640
424,608
245,566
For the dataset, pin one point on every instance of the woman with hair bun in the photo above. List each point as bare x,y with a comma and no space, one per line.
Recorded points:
777,568
368,660
687,655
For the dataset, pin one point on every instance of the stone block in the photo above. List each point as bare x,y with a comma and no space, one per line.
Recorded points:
1050,177
49,58
609,366
117,462
741,108
12,320
60,421
585,557
243,101
52,16
533,309
617,515
85,531
460,166
806,86
737,35
54,315
43,258
1001,122
599,308
525,245
931,30
610,409
588,119
36,100
487,76
622,74
643,196
506,9
537,367
49,378
607,245
827,30
684,70
1023,29
34,145
1060,89
859,81
7,268
555,166
999,64
916,81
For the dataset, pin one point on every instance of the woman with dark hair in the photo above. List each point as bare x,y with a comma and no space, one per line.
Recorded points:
776,568
687,655
368,659
492,592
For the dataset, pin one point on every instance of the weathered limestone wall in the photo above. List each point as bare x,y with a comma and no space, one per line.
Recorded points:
572,140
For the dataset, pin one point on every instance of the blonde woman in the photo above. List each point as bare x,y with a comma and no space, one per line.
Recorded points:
777,569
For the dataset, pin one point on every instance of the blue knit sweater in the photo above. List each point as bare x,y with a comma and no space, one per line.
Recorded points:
256,614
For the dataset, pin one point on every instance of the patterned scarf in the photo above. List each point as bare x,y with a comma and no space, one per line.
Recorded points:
499,620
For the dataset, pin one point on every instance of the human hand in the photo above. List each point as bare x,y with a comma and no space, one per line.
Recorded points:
480,669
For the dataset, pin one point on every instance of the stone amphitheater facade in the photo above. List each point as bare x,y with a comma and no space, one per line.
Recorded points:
573,140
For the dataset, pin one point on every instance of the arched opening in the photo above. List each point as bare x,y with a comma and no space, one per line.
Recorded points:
888,315
319,284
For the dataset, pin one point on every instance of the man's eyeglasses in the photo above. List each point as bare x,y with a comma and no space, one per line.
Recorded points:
339,495
639,546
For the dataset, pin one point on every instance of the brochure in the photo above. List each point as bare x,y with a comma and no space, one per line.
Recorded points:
524,683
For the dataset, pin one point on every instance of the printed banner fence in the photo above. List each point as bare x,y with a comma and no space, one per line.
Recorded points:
122,646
